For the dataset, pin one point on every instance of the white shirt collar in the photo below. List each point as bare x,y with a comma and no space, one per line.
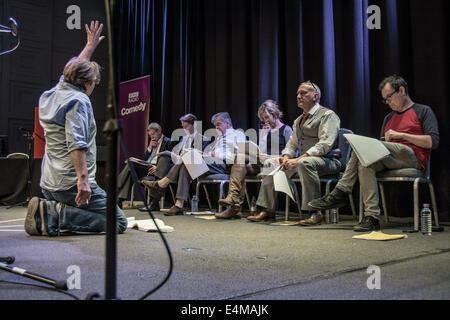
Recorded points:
314,109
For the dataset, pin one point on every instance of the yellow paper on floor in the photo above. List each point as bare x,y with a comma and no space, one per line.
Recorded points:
285,223
200,213
205,217
379,236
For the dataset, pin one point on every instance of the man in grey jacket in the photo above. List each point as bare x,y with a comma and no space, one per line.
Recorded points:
308,153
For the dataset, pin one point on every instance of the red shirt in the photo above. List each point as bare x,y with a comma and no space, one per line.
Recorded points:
417,120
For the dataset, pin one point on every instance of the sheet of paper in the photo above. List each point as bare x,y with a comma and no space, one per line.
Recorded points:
281,184
380,236
195,165
275,170
139,161
368,150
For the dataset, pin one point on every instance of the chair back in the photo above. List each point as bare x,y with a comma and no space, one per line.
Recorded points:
18,155
344,146
428,169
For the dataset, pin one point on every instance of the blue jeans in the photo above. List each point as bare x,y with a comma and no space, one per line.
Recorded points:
86,218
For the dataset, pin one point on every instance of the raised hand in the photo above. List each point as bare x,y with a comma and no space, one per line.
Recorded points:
93,33
94,37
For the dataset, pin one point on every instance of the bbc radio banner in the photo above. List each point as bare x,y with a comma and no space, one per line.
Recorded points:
134,111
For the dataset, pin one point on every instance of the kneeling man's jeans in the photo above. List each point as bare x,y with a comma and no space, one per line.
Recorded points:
86,218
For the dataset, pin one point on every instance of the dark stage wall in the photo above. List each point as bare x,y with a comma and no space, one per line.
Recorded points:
206,56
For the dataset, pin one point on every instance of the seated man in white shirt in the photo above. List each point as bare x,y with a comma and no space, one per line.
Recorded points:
216,155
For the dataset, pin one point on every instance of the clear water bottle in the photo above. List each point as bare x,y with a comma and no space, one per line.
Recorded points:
425,215
253,208
194,204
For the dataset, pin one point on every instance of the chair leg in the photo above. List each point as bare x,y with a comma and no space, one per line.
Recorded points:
434,203
286,210
383,201
416,204
327,212
207,197
173,194
161,202
247,197
132,196
361,205
352,205
297,198
222,183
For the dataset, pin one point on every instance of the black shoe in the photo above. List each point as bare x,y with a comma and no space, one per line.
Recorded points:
367,224
333,200
153,207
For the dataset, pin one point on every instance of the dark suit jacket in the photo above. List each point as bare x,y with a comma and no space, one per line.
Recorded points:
166,145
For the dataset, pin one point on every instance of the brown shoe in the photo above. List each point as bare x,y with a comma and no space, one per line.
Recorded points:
228,201
315,219
175,211
233,212
154,187
264,215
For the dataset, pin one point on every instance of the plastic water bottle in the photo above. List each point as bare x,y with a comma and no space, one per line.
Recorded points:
425,215
194,204
253,206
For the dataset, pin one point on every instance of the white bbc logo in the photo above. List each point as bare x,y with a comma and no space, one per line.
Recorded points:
133,97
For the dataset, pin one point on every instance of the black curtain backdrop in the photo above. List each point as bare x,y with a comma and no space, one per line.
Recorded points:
207,56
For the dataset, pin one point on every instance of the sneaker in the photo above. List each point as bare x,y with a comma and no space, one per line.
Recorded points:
49,213
367,224
31,223
333,200
41,210
154,206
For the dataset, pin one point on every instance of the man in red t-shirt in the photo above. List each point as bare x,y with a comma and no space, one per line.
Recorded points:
410,132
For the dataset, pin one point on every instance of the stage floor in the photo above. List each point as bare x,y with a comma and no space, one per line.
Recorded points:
215,260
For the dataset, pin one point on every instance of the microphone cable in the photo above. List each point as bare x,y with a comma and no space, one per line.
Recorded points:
163,238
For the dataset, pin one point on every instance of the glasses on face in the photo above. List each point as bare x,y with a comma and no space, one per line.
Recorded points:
385,100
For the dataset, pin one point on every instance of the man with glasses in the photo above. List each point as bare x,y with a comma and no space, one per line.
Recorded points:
308,153
410,132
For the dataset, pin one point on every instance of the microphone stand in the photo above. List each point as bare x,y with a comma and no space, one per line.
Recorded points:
111,130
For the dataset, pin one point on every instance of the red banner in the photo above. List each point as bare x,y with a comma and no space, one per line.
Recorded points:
135,111
38,135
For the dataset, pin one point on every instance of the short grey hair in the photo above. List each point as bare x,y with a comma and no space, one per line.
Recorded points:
154,126
224,115
314,87
80,72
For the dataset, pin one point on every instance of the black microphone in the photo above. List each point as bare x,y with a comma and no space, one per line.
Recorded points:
7,260
13,26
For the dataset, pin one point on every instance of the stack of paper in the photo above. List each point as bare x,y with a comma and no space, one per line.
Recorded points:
148,225
368,150
379,236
